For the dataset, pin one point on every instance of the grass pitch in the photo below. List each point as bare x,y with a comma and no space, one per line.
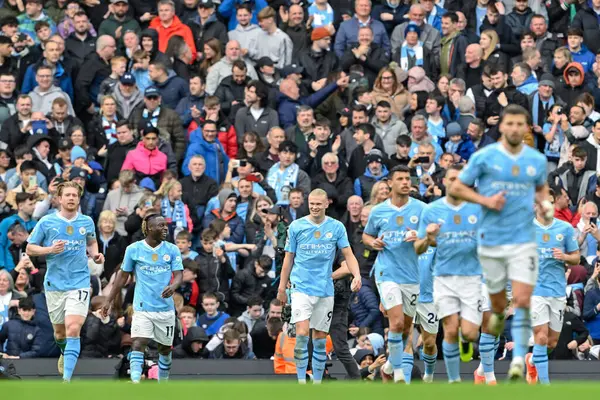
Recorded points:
246,390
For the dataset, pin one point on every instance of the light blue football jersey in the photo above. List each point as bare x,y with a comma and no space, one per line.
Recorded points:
314,247
397,262
493,169
69,269
153,269
456,251
426,275
558,235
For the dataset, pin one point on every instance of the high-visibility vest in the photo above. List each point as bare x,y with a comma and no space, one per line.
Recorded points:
283,360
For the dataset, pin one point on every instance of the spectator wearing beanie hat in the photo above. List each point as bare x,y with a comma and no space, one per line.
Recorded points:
318,61
413,53
227,205
374,172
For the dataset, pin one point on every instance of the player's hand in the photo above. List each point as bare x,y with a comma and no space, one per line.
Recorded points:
558,254
411,235
98,258
356,284
378,244
496,202
105,310
433,230
282,296
382,310
168,292
57,247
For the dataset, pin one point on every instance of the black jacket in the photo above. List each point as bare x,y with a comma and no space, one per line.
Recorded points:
519,23
508,42
184,350
376,59
228,91
493,108
299,35
196,194
587,20
11,132
317,65
115,157
569,94
23,338
559,17
214,276
573,329
212,28
431,70
113,255
99,340
95,136
471,76
338,191
247,284
77,49
498,59
93,71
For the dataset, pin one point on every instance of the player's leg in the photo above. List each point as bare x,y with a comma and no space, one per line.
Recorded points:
446,297
56,310
547,319
320,322
410,294
164,332
302,306
428,320
136,357
488,343
450,347
522,272
495,271
76,310
391,300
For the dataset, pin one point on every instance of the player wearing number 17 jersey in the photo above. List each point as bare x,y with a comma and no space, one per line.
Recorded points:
391,230
509,175
557,247
64,238
158,270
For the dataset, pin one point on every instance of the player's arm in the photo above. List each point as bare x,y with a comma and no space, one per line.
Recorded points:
175,283
572,258
421,245
461,191
342,272
427,233
284,278
92,249
353,267
118,285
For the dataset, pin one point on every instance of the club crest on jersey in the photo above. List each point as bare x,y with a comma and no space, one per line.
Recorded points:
531,171
457,219
545,237
400,221
414,219
82,231
317,234
167,258
472,219
154,257
329,235
560,237
516,170
70,230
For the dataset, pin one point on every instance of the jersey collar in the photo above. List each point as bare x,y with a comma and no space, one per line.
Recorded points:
510,155
67,220
315,225
153,248
454,208
544,227
389,203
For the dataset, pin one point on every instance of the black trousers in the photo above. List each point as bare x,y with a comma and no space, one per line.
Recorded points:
339,333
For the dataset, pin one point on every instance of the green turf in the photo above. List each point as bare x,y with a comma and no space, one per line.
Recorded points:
234,390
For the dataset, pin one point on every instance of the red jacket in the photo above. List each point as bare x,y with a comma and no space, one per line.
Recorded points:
227,138
177,28
145,161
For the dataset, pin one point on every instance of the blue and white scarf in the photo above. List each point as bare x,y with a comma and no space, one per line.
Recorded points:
535,110
283,181
406,53
432,15
153,118
110,130
174,213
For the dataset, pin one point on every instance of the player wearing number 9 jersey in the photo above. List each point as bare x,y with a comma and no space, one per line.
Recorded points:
557,248
158,270
509,176
64,238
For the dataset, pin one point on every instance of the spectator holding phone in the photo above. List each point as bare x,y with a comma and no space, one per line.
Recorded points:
28,184
587,231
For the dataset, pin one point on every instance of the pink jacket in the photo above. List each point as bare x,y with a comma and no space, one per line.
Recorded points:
145,161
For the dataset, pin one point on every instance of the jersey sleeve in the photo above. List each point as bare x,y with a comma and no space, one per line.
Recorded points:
90,231
176,260
128,262
571,243
541,178
372,229
37,235
290,242
472,171
424,221
342,241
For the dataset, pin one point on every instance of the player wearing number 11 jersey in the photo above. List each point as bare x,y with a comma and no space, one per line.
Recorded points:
158,270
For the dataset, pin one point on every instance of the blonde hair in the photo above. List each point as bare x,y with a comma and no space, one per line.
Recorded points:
373,200
494,40
259,199
115,60
167,188
69,184
108,215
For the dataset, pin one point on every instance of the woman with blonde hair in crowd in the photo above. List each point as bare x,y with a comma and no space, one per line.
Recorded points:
175,211
110,243
492,55
379,193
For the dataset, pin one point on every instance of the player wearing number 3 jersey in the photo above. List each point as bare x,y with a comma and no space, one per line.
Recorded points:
64,238
158,270
309,255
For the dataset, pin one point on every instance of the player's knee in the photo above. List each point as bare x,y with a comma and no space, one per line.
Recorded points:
429,343
470,335
521,301
542,339
451,336
73,330
397,326
552,342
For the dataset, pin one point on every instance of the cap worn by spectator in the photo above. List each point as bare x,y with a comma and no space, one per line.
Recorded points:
128,79
119,1
152,91
344,112
148,183
412,27
291,69
206,4
77,173
264,62
95,165
374,156
547,80
64,144
225,195
345,11
77,152
148,128
453,129
319,33
288,146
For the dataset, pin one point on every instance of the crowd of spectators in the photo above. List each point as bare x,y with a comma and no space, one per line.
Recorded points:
223,115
